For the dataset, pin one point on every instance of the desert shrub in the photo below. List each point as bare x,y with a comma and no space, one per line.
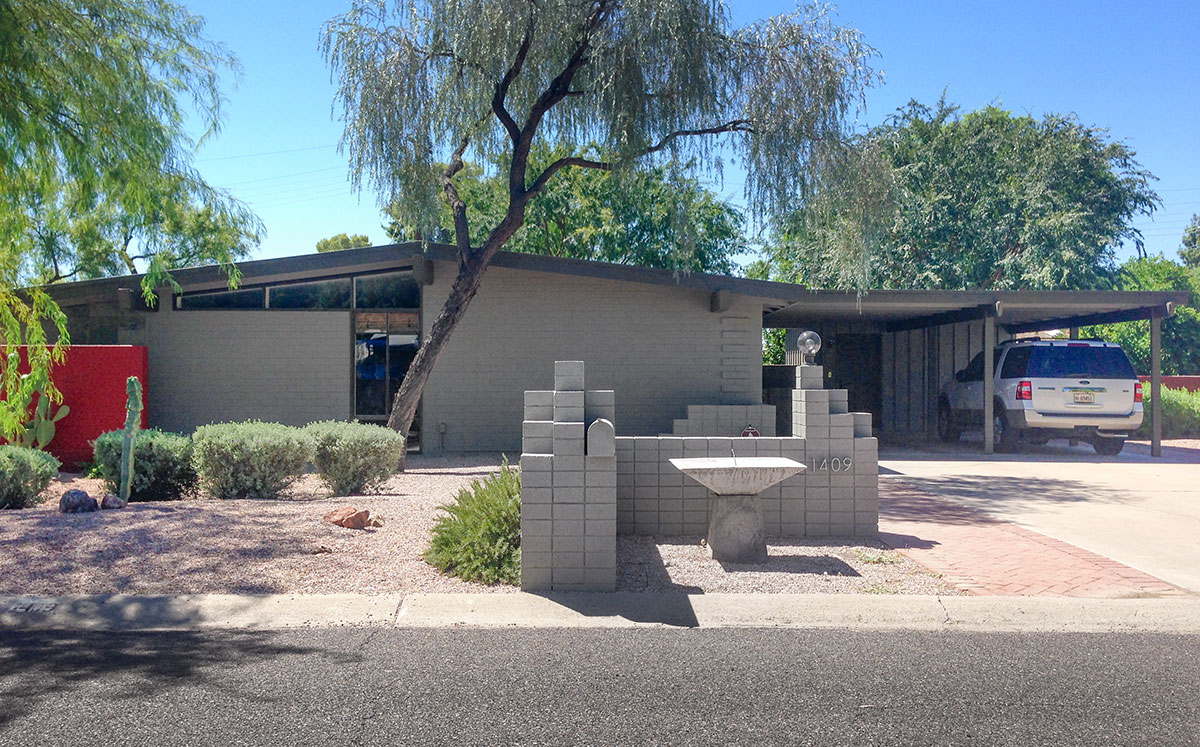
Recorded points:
353,458
1181,413
162,464
479,538
24,474
251,459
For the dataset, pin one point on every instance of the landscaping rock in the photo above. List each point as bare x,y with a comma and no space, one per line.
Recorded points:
338,515
111,501
362,520
77,502
352,518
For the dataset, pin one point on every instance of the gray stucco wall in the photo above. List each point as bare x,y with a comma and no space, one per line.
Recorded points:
659,347
289,367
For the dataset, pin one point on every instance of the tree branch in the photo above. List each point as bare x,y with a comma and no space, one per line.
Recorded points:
462,234
505,83
737,125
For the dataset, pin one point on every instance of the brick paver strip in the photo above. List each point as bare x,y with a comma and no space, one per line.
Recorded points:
988,556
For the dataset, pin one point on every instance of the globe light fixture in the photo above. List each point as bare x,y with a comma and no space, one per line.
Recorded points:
809,344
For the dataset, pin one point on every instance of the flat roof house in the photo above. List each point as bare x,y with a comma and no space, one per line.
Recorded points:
329,336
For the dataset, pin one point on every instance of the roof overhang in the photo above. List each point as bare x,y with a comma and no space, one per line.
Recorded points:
1014,311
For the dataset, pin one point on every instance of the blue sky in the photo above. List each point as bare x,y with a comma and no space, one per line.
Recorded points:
1133,68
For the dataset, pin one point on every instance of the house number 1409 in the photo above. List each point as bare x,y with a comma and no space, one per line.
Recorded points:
836,464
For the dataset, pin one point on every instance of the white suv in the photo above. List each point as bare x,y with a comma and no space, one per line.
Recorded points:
1079,389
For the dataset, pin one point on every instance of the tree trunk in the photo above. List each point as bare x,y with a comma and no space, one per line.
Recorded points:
466,285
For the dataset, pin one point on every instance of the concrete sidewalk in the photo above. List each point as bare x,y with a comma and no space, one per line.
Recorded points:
800,611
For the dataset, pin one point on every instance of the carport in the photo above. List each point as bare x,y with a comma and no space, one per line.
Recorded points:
916,323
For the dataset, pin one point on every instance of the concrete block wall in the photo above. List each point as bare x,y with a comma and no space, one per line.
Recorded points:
725,420
660,348
289,367
838,494
568,486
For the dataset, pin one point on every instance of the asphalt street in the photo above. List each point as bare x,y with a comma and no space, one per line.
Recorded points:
630,686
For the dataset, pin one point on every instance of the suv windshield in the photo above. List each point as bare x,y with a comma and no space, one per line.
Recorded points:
1062,362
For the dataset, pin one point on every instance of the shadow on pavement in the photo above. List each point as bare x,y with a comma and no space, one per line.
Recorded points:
669,608
1014,491
971,450
38,665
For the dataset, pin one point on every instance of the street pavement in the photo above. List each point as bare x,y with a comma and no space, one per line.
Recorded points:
597,686
1137,510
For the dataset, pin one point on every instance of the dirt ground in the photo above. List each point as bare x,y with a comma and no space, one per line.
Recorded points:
284,546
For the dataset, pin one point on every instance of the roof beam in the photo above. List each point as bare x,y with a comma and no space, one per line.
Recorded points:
1107,317
969,314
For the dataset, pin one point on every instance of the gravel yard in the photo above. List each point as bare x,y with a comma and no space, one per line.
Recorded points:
284,546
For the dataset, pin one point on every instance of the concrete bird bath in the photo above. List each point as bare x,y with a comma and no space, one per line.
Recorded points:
735,522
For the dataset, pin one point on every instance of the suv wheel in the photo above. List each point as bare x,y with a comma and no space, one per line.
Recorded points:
1004,438
945,425
1108,446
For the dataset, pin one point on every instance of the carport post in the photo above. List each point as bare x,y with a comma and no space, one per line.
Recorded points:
989,381
1155,384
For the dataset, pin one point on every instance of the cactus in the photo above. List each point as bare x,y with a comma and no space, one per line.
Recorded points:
39,432
133,421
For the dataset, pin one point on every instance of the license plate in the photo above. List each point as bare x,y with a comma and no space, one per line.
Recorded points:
1085,398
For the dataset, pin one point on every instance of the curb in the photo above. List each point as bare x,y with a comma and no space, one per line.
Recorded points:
195,612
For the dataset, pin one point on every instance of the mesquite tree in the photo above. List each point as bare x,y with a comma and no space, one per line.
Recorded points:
425,84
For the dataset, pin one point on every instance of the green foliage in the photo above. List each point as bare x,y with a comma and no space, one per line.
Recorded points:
96,101
343,241
250,459
479,538
774,347
1189,250
1181,414
24,474
354,458
655,218
1180,333
40,431
935,199
164,464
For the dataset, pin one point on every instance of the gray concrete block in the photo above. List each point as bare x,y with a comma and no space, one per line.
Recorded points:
539,398
568,376
567,543
536,511
599,579
568,493
571,511
544,528
535,579
536,463
568,463
568,574
539,412
600,496
600,478
537,479
537,446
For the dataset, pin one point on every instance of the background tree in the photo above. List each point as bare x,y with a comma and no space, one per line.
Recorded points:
92,138
1189,251
647,81
343,241
1180,333
659,217
932,199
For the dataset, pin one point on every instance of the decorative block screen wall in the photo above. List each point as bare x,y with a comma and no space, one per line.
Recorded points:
581,484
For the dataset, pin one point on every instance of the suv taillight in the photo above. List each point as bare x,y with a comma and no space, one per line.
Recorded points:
1137,392
1025,390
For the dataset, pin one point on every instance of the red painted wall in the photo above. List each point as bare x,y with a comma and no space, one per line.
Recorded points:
1190,383
92,381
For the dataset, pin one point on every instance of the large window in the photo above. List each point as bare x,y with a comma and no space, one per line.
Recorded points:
395,290
324,294
385,343
238,299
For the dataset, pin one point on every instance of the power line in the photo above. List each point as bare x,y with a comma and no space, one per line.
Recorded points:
265,153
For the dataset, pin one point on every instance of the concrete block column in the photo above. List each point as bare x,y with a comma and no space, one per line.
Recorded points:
568,486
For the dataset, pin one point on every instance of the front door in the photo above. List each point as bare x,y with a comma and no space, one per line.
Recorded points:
856,365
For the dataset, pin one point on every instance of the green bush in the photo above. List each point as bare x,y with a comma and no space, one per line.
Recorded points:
24,474
251,459
162,464
1181,413
353,458
479,538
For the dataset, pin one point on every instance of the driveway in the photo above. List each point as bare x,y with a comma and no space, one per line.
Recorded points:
1134,509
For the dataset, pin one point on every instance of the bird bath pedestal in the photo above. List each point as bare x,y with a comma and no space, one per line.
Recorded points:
735,522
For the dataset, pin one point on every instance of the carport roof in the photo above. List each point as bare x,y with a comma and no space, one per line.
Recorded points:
784,304
1015,311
